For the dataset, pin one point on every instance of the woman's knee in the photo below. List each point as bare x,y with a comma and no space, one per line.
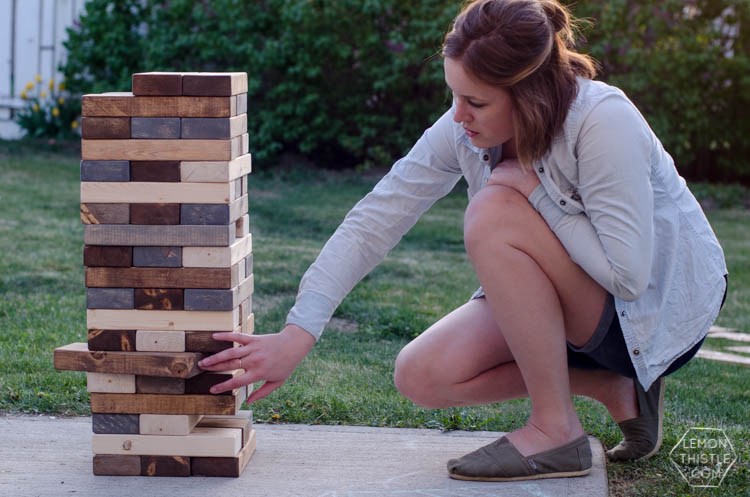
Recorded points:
496,210
413,378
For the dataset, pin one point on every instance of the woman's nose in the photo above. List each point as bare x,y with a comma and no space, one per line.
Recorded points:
460,115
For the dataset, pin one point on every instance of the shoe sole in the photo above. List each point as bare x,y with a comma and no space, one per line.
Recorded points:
566,474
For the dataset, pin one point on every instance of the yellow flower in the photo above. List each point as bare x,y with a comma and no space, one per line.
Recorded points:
38,78
24,95
52,85
74,125
61,100
43,94
29,86
61,86
55,112
35,108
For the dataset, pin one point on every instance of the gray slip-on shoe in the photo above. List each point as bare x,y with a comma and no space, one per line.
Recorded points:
642,436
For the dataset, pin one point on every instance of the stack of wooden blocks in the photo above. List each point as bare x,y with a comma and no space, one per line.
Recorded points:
168,262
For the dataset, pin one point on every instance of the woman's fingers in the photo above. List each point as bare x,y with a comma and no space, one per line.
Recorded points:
224,358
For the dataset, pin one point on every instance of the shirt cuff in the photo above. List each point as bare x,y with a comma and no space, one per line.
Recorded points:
311,312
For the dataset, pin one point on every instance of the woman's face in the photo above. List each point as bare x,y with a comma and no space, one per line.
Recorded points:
485,111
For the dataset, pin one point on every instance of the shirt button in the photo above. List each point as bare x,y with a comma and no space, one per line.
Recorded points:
622,314
485,157
562,202
541,170
636,351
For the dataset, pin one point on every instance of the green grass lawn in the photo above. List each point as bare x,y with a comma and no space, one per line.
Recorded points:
347,379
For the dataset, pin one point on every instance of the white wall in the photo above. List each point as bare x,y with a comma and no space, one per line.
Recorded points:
31,36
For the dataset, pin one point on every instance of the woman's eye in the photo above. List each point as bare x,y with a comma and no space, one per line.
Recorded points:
476,105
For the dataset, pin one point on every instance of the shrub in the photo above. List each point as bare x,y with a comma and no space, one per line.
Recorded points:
50,112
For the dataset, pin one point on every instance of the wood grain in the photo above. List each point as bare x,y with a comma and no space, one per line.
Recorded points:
147,235
160,340
163,320
110,383
202,442
109,298
165,466
163,404
156,214
103,213
112,340
202,383
149,150
126,104
100,255
160,171
115,423
214,84
157,83
231,467
155,128
205,299
159,385
215,171
105,170
139,277
213,128
133,192
159,299
217,257
116,465
105,128
170,424
157,256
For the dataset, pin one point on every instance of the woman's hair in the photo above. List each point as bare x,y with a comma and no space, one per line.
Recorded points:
526,47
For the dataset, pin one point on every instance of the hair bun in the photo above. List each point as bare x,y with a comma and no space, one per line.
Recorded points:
557,15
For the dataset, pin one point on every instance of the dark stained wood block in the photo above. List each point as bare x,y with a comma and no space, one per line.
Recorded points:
157,83
205,299
205,214
155,214
205,128
163,404
214,84
156,236
151,299
117,465
165,171
125,104
159,385
202,341
230,467
116,423
101,255
78,357
105,213
165,466
112,340
135,277
155,128
202,383
105,170
109,298
105,128
157,256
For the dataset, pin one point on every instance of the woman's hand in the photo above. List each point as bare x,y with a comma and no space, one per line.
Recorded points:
267,358
510,173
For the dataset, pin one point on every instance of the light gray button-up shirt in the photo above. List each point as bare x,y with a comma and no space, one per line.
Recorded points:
608,191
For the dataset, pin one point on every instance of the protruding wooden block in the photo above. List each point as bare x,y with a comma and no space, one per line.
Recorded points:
155,214
159,385
217,257
115,423
164,404
112,340
155,128
202,341
167,149
213,128
116,465
139,277
205,214
231,467
109,298
99,255
147,235
137,192
167,171
165,466
157,83
215,171
214,84
127,105
202,442
159,299
160,340
242,420
77,357
105,128
102,213
166,424
242,226
157,256
110,383
113,319
105,170
202,383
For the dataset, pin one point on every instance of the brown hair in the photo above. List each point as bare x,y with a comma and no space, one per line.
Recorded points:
526,47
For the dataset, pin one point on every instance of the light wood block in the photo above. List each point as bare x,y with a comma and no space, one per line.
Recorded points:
111,340
159,299
175,424
126,104
242,103
160,171
137,192
205,299
218,257
145,235
102,213
105,170
99,255
242,226
243,421
215,171
115,423
105,128
116,465
147,277
157,256
77,357
165,466
154,149
156,214
160,341
155,128
110,383
213,128
164,404
225,466
163,320
157,83
202,442
214,84
159,385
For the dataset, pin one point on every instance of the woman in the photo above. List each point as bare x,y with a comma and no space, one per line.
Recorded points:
599,272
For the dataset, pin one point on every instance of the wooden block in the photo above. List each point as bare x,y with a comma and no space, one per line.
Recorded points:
213,128
146,235
165,466
140,277
214,84
113,340
157,256
244,184
77,357
231,467
163,404
109,298
164,171
239,145
159,299
243,421
126,104
110,383
152,149
157,192
155,128
103,213
160,340
155,214
242,226
159,385
249,264
116,465
99,255
205,299
215,171
242,103
202,341
217,256
163,320
202,383
248,326
202,442
105,170
204,214
166,424
246,310
157,83
115,423
245,145
105,128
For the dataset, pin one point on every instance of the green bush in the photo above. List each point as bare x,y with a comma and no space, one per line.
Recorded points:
354,82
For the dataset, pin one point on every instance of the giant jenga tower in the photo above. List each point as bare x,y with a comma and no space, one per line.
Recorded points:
168,262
